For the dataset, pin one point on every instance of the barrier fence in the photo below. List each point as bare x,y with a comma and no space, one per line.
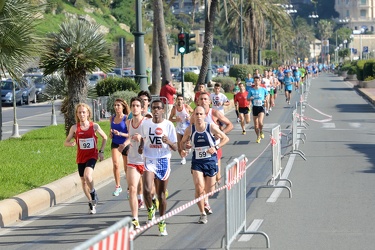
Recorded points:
295,137
276,163
235,202
116,237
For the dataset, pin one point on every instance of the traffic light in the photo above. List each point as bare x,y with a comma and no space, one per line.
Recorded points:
182,43
190,43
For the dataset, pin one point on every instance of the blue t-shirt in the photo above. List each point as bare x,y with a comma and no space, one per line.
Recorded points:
121,127
259,96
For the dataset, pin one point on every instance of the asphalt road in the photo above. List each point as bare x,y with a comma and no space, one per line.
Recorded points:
29,117
332,203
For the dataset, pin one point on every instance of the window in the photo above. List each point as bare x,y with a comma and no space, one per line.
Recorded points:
363,13
363,2
347,13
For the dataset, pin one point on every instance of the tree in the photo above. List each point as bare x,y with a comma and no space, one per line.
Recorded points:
18,39
77,49
161,44
208,38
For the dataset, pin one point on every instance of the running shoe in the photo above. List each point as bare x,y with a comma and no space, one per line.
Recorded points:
202,219
92,208
94,198
183,161
151,214
261,134
207,208
288,102
117,191
163,228
258,140
267,114
136,224
238,120
271,108
141,205
243,132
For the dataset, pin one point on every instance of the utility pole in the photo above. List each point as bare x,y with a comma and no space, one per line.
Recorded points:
139,60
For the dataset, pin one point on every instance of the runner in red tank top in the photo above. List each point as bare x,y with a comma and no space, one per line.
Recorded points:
84,135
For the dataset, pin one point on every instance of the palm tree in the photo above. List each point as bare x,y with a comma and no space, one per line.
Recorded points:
77,49
18,39
160,45
325,28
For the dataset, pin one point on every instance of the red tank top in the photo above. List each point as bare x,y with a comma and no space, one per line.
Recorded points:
86,141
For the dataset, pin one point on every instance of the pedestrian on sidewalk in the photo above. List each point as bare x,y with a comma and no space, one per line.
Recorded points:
84,135
168,91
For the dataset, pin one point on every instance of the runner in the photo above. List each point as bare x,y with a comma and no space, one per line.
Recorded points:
213,116
204,165
235,90
243,106
257,96
135,163
180,114
118,134
158,139
84,133
288,81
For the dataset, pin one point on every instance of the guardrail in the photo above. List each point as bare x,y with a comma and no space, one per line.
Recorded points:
276,163
116,237
235,215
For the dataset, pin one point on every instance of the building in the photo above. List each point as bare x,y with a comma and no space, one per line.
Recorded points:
357,14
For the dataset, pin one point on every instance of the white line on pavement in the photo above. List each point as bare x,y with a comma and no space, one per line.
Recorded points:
254,226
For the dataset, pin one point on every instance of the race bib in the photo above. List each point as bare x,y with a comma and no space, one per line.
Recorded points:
87,143
201,153
258,102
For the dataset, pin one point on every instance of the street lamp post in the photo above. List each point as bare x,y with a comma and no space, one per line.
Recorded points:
242,54
139,60
312,17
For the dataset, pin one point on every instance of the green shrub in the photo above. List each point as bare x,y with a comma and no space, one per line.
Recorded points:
352,70
369,78
111,85
369,69
360,66
227,83
126,95
191,77
239,70
346,67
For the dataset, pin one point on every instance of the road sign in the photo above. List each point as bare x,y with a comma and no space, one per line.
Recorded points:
365,49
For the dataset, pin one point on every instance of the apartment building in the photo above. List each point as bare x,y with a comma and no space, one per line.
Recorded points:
357,14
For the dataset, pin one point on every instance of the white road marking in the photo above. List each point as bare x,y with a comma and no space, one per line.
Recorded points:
254,226
328,125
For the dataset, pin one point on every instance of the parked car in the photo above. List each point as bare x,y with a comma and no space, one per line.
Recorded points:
95,77
193,69
175,72
40,84
7,92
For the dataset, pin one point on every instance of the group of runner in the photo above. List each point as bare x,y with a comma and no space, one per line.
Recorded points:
144,139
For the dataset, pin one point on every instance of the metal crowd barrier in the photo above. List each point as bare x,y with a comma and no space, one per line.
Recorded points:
295,137
276,163
235,202
116,237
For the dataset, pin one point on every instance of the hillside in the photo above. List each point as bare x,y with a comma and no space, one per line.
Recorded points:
57,11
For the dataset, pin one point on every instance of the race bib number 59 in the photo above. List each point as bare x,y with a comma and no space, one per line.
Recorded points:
201,153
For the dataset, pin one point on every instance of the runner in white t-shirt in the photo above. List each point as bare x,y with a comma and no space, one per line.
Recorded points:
267,83
158,139
218,99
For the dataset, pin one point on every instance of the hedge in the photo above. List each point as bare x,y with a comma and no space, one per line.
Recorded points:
109,86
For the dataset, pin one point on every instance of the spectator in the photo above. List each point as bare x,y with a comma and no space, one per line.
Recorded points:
168,91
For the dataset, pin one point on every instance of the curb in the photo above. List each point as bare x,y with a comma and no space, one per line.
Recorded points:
369,94
31,202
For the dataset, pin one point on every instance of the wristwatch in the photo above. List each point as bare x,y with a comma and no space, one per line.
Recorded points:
217,147
101,151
